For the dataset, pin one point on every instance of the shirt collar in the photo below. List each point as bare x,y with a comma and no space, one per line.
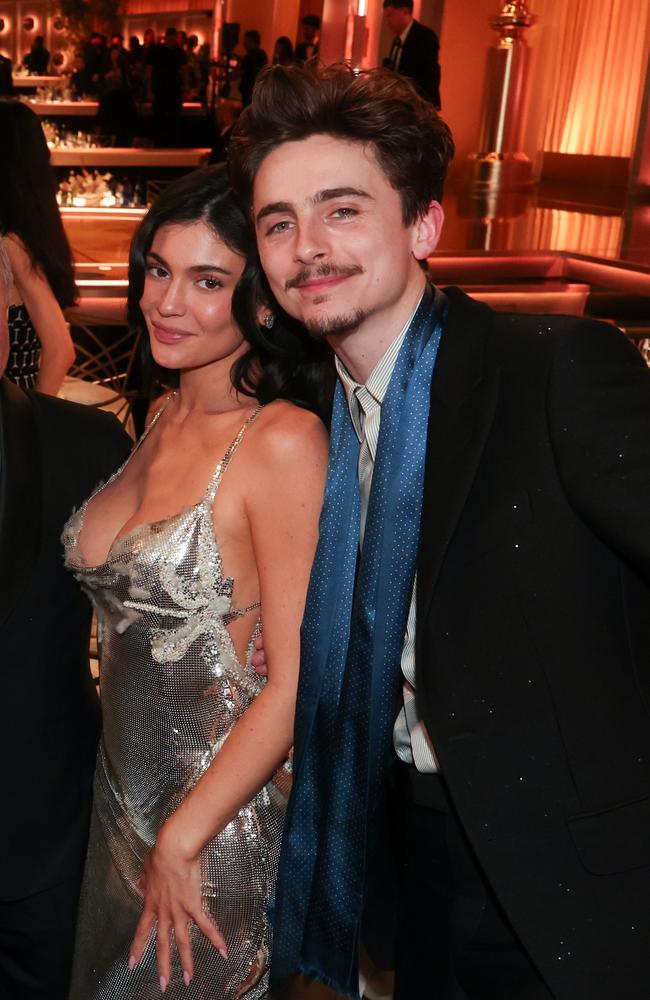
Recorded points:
404,34
378,380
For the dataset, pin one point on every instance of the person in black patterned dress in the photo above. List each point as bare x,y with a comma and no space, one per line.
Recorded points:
35,245
52,453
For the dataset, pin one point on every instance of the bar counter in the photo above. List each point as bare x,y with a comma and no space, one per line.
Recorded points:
21,82
89,109
116,156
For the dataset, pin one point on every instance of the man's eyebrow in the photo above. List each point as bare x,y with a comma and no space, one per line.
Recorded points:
275,208
328,194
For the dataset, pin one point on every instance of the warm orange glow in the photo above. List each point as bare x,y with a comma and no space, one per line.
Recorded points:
349,31
373,25
599,51
580,232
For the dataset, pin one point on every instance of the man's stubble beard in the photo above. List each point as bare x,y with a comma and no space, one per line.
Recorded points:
335,326
328,326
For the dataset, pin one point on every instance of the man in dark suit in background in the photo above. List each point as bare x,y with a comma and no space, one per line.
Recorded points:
414,52
253,62
476,642
52,454
307,47
165,69
6,77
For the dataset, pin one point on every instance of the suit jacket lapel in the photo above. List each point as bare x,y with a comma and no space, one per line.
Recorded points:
463,398
20,494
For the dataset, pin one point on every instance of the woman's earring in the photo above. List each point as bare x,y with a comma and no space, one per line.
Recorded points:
268,321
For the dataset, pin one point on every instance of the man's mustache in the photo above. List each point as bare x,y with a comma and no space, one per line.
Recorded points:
308,274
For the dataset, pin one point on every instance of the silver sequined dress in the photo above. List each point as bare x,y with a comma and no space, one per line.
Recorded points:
172,689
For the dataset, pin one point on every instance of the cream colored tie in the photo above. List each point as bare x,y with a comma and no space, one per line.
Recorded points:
369,413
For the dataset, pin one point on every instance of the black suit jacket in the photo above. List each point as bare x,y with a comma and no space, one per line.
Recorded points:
533,638
420,61
6,79
52,454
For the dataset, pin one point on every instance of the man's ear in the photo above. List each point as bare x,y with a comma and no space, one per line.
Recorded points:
426,231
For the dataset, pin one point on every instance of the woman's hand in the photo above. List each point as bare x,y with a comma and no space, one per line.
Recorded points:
171,886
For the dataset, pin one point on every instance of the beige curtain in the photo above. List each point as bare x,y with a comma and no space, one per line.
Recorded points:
595,54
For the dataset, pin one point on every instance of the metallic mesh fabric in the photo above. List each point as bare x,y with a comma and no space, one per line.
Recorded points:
172,689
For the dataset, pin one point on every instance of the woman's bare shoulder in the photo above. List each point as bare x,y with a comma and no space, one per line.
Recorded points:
288,433
22,265
15,249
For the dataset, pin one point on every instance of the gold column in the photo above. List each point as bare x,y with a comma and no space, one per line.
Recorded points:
499,162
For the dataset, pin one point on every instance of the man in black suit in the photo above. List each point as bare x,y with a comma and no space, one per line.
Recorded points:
52,454
516,761
252,64
307,47
6,77
414,51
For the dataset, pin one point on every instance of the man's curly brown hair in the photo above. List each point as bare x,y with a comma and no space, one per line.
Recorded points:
412,143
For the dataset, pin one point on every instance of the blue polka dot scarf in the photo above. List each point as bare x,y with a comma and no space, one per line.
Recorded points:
352,639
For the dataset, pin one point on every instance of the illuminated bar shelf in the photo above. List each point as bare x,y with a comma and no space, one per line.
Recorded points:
116,156
89,109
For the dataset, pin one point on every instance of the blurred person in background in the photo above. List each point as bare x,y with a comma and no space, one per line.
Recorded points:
307,47
117,113
149,38
136,69
167,65
252,62
205,66
51,454
6,77
283,52
32,234
135,53
192,69
79,76
37,59
117,43
414,51
96,60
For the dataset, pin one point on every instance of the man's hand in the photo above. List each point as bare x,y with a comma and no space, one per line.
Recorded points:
259,658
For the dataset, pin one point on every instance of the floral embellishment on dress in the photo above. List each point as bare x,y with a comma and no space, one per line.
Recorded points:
198,615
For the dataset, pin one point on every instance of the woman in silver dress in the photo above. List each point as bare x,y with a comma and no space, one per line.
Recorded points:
209,527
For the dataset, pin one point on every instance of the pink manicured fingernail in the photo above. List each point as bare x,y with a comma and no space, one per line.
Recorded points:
131,962
187,979
223,952
163,984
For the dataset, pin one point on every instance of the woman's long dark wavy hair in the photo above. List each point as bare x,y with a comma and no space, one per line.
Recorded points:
28,207
281,363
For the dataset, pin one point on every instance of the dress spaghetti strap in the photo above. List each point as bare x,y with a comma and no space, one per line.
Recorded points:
215,482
